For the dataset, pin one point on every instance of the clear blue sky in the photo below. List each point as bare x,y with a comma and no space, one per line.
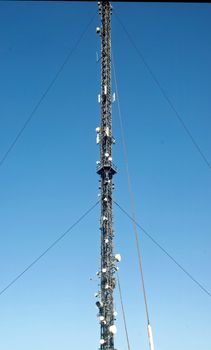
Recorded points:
49,178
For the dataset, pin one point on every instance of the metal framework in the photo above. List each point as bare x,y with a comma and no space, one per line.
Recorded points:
106,171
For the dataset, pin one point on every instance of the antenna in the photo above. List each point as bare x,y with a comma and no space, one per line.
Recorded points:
106,170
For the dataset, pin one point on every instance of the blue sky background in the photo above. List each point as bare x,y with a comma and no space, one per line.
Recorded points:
49,178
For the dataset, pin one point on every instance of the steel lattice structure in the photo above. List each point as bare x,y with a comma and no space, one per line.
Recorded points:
106,170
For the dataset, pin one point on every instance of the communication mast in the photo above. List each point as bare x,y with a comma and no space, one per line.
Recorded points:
106,170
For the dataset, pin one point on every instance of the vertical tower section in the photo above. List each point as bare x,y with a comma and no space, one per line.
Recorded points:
106,170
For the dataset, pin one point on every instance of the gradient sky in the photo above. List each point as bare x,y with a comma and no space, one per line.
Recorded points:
49,178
